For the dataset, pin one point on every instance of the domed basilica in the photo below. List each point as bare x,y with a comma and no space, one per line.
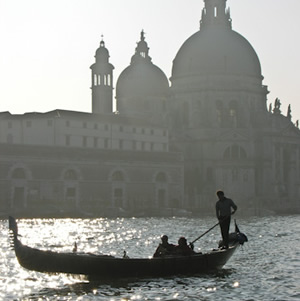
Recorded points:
170,143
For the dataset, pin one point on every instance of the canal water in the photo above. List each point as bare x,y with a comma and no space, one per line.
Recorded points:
267,267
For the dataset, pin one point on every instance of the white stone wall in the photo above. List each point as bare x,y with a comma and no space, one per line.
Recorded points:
81,131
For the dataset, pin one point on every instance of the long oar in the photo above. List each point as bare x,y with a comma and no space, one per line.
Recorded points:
204,233
209,229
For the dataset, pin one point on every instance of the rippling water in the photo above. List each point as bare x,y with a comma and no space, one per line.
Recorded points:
265,268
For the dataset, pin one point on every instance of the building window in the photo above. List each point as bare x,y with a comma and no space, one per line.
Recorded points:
95,142
234,152
71,192
161,177
235,174
9,139
19,173
68,139
70,175
118,196
219,111
233,113
117,176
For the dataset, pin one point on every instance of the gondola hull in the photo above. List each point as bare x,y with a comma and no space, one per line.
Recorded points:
109,267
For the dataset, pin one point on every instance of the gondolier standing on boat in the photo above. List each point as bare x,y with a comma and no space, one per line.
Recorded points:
224,212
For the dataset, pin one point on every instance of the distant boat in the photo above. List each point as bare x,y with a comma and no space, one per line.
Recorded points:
110,267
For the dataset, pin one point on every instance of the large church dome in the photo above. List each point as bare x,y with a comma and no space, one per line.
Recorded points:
216,49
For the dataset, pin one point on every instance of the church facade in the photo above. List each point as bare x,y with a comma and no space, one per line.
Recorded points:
170,144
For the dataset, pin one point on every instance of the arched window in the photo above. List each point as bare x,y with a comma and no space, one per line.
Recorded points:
70,175
117,176
234,152
219,112
233,113
19,173
161,177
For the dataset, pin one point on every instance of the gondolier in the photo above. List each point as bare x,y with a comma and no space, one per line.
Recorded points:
224,212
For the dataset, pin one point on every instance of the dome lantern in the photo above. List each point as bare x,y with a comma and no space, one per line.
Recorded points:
102,54
215,13
142,50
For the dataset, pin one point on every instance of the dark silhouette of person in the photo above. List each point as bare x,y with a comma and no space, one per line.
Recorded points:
164,248
224,211
183,248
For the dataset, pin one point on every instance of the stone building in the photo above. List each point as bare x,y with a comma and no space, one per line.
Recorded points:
220,120
169,144
73,162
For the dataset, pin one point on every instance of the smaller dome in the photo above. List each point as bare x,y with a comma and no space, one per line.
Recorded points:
142,78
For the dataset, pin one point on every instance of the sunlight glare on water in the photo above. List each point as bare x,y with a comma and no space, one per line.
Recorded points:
265,268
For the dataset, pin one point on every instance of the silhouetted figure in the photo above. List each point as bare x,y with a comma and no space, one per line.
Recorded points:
183,248
224,212
125,255
277,105
164,248
75,247
289,112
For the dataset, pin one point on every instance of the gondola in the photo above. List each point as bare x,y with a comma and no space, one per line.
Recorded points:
110,267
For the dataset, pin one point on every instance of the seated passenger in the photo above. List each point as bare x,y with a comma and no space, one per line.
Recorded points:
165,248
183,248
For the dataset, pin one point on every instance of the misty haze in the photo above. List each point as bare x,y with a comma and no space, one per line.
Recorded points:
154,146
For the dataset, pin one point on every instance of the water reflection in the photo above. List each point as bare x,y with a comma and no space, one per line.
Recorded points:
173,288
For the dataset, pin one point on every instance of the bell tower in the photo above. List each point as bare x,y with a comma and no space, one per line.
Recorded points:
102,82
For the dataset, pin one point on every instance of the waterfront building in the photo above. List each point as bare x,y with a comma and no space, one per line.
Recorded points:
169,144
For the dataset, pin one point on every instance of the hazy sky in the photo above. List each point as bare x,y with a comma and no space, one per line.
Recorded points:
48,46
